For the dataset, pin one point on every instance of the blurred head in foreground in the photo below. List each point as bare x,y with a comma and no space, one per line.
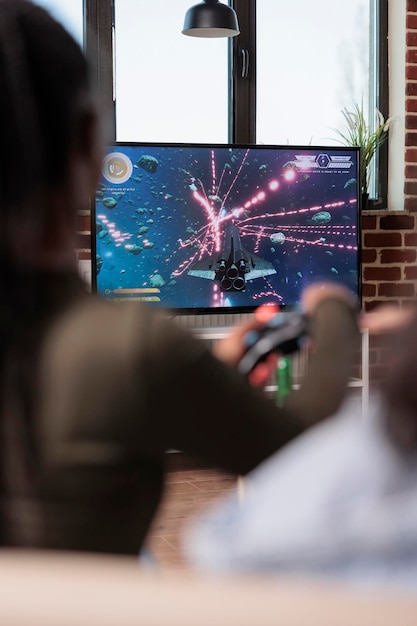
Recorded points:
51,147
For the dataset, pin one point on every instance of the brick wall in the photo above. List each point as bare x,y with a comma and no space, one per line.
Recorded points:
389,254
389,238
389,270
410,189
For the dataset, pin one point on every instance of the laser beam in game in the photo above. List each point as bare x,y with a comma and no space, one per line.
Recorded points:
233,265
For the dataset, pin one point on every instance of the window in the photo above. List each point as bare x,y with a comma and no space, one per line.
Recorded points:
168,87
329,50
69,12
307,61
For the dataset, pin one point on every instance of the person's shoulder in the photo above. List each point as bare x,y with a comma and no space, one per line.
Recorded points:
92,319
100,331
129,321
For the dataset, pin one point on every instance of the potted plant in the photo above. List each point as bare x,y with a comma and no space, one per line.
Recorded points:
359,133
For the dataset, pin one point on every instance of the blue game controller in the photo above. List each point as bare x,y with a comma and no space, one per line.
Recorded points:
284,333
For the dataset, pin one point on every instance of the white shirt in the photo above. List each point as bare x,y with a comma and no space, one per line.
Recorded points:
338,501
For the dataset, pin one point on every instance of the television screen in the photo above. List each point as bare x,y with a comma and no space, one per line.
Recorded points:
224,228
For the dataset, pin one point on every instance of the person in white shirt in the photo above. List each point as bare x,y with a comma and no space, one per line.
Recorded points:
340,500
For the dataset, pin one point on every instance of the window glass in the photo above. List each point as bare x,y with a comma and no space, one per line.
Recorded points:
169,86
309,68
69,12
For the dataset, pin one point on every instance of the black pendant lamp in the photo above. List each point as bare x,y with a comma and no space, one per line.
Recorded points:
211,18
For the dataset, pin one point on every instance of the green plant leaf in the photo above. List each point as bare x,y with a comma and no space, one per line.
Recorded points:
359,133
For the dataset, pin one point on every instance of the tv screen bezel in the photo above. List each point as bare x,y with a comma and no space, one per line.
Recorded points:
221,310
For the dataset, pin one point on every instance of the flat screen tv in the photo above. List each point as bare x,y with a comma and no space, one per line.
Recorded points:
198,228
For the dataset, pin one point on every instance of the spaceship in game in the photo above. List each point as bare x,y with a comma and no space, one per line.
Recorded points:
233,265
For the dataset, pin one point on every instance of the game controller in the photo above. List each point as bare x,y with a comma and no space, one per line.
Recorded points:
284,333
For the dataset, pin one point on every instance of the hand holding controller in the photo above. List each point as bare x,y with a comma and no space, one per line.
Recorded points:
283,333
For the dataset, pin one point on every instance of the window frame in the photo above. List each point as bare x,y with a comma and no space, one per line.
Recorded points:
99,47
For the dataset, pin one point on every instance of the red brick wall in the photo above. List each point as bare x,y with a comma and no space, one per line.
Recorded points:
410,188
389,254
389,238
389,270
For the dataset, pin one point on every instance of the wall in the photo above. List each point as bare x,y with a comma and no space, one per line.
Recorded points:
389,238
410,189
389,270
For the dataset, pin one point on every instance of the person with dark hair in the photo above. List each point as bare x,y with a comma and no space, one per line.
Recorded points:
92,395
